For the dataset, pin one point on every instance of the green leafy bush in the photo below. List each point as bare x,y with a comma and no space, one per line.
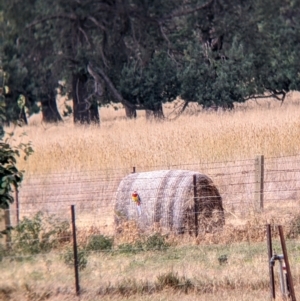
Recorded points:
68,258
39,234
99,243
133,248
2,252
155,242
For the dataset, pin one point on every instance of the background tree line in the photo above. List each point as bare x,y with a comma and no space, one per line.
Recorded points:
144,53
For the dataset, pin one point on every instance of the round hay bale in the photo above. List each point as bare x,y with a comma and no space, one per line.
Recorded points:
167,198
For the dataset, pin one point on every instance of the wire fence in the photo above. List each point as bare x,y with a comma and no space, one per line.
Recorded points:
178,212
95,190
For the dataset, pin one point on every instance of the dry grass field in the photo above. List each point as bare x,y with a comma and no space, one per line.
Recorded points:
266,127
68,157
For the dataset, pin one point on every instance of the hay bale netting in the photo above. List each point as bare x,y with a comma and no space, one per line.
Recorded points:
167,198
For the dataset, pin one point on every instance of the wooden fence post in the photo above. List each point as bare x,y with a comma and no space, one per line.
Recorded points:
259,183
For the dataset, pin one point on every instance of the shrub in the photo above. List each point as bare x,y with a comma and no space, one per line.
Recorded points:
99,243
151,243
39,234
2,252
156,242
68,258
128,248
294,229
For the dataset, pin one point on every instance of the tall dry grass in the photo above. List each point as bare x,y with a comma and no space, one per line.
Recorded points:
253,128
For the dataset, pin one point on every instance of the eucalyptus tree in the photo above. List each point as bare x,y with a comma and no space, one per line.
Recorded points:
277,64
145,53
10,176
247,50
28,62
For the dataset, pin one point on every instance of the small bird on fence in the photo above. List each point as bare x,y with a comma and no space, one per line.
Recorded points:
137,200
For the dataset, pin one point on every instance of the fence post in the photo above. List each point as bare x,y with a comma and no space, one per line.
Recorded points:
77,287
287,265
271,269
17,205
259,183
196,207
133,169
8,228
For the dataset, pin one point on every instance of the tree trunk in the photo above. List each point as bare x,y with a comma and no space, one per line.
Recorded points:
49,109
159,113
81,108
130,112
94,113
156,113
23,116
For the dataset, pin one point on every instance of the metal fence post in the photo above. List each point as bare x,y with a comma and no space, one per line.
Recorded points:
8,227
287,265
271,267
77,287
17,205
259,183
196,207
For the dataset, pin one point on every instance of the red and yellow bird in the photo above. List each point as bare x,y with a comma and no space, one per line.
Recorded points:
137,200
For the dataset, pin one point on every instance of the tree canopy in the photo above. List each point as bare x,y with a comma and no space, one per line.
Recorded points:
10,176
145,53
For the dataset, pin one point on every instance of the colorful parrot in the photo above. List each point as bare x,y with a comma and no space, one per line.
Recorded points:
136,198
